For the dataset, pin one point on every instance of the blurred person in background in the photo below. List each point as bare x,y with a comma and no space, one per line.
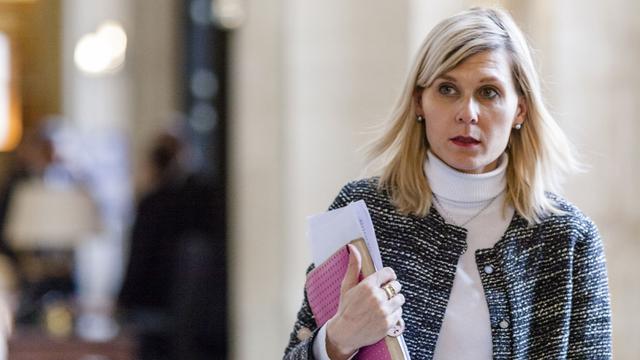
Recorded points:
33,157
485,259
170,282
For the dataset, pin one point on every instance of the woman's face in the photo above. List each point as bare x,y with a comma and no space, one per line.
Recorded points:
470,110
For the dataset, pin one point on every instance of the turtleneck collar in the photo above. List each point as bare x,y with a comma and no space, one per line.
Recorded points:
451,184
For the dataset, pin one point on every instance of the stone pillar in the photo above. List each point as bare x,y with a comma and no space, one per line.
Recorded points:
311,78
344,66
94,103
255,184
99,107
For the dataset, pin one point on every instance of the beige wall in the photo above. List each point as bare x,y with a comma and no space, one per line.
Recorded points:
309,78
596,88
255,182
342,74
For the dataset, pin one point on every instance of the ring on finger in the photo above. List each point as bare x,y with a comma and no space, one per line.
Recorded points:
389,290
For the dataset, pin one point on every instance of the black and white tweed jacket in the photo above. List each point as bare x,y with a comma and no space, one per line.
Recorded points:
548,295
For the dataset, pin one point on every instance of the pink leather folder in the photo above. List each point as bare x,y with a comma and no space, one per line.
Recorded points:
323,293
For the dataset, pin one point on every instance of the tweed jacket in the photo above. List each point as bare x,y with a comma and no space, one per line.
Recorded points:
548,294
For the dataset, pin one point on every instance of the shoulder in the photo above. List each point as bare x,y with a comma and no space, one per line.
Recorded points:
366,186
570,219
361,189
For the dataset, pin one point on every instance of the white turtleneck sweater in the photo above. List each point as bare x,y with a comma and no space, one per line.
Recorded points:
466,330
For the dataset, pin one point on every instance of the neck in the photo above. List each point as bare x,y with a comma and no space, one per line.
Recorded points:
453,185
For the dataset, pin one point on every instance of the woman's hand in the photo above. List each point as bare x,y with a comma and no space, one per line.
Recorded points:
365,313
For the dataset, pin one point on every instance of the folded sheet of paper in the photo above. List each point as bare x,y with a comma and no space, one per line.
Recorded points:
329,231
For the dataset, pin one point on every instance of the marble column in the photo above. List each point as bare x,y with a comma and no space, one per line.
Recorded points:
344,66
310,79
98,108
255,184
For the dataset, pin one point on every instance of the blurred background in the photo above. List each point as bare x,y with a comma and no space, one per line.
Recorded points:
159,158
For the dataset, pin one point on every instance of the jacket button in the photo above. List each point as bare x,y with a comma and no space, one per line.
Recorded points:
304,333
504,324
488,269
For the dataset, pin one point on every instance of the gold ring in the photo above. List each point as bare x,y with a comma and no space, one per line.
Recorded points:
389,290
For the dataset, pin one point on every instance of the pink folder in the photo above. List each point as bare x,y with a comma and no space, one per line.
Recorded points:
323,293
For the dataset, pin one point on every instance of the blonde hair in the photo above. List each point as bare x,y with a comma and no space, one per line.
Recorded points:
540,155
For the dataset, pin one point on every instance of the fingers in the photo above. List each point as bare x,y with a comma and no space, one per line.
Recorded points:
395,302
353,270
397,329
385,275
389,289
381,277
394,317
393,320
354,250
395,285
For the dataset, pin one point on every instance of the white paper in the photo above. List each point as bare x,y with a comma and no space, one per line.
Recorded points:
329,231
369,235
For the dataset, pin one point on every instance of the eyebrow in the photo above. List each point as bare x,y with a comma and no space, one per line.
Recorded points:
483,80
447,77
490,79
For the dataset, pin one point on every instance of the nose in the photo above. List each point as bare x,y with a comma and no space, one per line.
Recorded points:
468,112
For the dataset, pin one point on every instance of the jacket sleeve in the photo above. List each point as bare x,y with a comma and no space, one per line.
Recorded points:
304,332
590,327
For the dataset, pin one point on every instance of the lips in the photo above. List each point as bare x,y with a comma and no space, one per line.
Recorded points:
465,141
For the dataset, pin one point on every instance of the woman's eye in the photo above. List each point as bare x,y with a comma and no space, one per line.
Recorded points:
446,89
488,93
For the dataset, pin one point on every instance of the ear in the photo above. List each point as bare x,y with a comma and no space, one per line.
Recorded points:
521,111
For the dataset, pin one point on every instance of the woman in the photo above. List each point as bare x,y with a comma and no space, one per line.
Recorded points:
491,262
